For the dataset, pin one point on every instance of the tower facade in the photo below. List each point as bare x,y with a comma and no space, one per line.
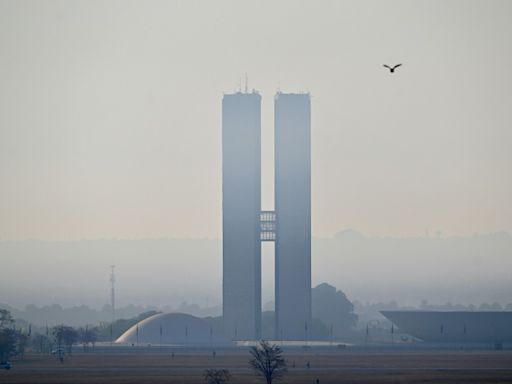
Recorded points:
241,206
292,124
245,225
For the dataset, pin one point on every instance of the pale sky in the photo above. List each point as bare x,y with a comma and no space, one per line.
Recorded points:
110,113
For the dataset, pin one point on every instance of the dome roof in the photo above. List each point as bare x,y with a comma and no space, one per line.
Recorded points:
171,328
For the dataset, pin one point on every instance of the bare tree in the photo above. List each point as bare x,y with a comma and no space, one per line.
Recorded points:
216,376
267,361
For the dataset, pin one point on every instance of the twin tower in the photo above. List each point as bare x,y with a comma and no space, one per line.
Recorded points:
245,225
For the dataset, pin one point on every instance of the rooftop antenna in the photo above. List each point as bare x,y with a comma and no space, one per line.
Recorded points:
246,83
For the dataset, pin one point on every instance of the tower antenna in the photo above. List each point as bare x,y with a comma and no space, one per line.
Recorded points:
246,83
113,292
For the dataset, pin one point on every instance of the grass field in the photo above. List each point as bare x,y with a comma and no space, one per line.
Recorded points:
328,366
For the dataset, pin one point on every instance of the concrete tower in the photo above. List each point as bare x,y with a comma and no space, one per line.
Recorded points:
241,206
245,225
292,114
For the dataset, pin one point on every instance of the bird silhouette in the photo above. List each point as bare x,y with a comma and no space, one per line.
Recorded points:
392,69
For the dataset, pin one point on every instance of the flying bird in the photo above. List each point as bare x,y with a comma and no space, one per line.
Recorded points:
392,69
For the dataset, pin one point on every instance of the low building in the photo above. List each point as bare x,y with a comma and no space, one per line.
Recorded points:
454,326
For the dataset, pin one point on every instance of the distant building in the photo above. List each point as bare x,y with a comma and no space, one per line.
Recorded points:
454,326
245,225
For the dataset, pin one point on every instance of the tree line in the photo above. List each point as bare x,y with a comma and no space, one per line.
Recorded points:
58,339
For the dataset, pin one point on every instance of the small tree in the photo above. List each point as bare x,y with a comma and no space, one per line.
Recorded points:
7,335
267,361
216,376
7,343
21,343
41,342
65,335
5,319
87,336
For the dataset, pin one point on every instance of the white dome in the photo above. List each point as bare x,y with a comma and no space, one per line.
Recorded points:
171,328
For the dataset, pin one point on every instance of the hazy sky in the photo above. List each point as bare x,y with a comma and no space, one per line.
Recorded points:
110,113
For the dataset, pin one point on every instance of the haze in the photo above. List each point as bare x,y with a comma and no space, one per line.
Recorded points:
110,113
110,128
461,270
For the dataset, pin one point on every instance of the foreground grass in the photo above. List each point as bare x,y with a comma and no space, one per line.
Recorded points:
147,366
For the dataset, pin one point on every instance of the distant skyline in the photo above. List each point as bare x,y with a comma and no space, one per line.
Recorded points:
110,113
